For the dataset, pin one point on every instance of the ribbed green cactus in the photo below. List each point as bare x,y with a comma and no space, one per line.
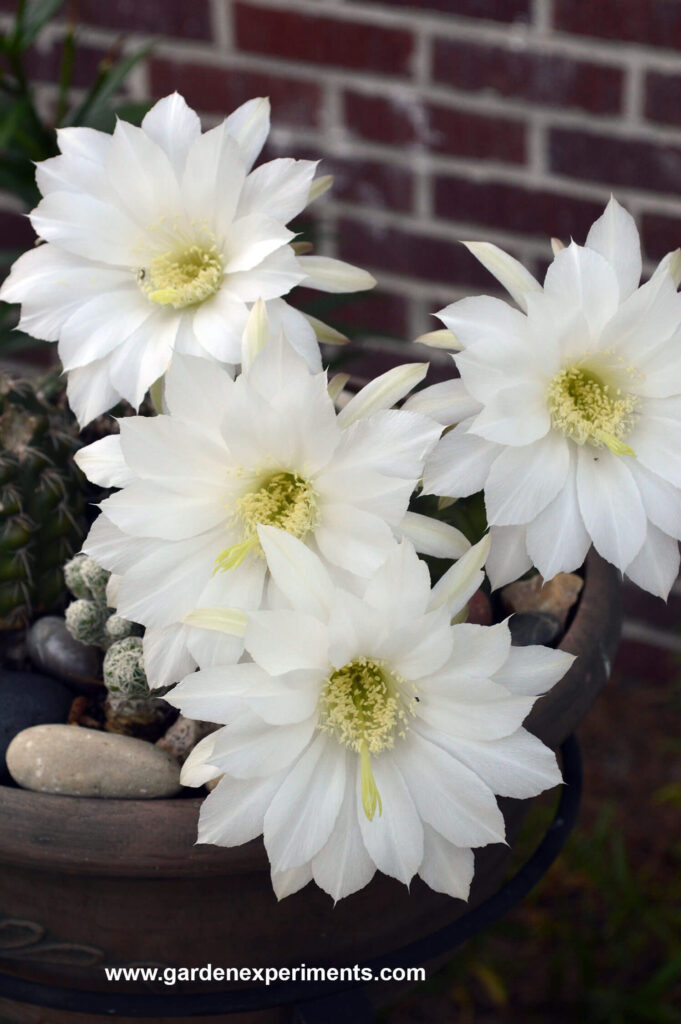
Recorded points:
88,618
42,503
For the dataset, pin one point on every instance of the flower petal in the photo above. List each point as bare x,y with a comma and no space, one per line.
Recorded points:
611,505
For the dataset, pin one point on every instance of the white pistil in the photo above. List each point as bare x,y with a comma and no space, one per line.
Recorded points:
364,705
591,411
185,276
285,500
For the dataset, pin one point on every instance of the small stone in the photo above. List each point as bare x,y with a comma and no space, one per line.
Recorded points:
72,761
557,596
479,609
533,628
28,699
183,735
53,650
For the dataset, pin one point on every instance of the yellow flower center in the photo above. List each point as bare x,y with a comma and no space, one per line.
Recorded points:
183,277
590,411
285,500
363,703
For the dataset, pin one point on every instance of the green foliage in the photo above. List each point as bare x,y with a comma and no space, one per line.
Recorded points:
28,136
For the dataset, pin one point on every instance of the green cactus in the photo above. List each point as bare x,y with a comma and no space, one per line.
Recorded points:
130,706
42,501
89,619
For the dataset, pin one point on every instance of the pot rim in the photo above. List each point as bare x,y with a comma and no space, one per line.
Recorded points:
157,838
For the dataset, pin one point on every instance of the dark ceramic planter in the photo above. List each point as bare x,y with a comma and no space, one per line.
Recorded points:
86,883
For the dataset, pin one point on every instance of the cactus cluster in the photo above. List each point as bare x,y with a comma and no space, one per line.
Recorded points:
88,618
130,707
42,501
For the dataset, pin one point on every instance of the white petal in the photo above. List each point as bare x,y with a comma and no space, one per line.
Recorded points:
144,357
483,318
249,124
433,537
522,481
661,500
197,391
297,328
394,838
517,281
142,176
251,239
234,812
382,392
282,641
446,868
583,279
460,582
518,766
447,403
274,276
285,883
531,671
90,391
471,707
250,748
175,127
610,504
448,796
87,227
213,177
330,275
343,865
301,817
656,566
166,655
656,439
352,539
557,540
615,237
279,189
478,650
218,325
459,464
516,416
197,769
297,571
101,324
508,558
103,462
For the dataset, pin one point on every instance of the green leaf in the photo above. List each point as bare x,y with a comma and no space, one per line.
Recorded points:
31,18
106,85
65,75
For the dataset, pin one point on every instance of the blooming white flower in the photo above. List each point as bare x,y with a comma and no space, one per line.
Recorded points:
367,732
569,412
159,239
268,447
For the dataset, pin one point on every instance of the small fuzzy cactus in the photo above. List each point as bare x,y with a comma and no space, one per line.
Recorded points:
88,619
130,707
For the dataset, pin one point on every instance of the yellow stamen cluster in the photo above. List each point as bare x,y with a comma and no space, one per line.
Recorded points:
285,500
363,703
590,411
183,277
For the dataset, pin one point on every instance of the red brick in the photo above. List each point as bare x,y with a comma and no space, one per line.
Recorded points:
44,65
460,133
440,129
379,119
219,90
520,74
492,10
663,98
649,22
160,17
513,208
410,254
322,40
630,163
379,185
375,312
660,234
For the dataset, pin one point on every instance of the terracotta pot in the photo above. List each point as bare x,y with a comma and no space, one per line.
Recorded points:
86,883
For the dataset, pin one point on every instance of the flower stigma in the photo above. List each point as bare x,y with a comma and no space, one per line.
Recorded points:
184,276
590,411
285,500
363,704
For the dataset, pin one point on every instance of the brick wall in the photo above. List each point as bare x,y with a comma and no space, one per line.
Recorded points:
509,120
